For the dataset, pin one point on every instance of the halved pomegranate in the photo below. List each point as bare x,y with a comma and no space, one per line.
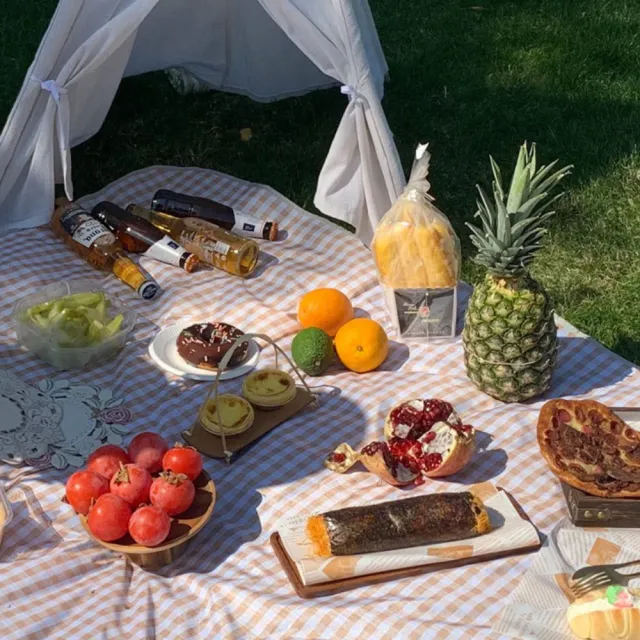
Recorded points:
420,444
413,418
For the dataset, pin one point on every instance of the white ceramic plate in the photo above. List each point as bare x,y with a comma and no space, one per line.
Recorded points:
164,352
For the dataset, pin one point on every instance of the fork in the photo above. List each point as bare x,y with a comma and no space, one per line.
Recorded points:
600,576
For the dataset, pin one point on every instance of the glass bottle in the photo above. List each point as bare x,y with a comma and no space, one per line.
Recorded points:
98,246
185,206
213,245
140,236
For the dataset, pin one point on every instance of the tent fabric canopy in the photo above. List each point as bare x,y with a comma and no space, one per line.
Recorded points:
232,45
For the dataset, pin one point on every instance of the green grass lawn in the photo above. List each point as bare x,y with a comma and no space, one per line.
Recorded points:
471,77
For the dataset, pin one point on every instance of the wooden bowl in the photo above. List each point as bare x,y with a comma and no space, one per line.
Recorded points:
183,528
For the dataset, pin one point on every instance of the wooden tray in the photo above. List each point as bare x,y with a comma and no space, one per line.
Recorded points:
210,444
346,584
183,528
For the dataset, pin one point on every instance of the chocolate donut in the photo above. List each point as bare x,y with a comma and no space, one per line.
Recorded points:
204,345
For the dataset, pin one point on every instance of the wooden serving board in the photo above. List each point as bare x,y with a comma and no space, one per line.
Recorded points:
346,584
211,445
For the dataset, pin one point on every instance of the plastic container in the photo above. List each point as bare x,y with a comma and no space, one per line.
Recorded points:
43,343
6,514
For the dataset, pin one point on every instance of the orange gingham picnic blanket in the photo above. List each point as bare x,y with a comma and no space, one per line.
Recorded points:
56,583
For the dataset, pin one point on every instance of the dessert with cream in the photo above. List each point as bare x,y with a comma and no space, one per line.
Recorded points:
606,614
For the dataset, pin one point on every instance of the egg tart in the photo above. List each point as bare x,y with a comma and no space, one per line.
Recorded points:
230,413
269,389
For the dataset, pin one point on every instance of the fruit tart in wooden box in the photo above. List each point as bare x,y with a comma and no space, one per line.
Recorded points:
596,455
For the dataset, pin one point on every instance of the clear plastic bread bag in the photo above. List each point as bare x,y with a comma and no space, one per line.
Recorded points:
417,254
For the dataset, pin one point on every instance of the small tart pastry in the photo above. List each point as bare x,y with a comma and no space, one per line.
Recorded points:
606,614
204,345
269,388
231,414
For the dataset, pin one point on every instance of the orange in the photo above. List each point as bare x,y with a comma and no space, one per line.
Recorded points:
326,309
362,345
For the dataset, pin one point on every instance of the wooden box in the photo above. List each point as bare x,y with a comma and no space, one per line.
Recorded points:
593,511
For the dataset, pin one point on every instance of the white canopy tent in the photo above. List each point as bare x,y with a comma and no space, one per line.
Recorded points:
265,49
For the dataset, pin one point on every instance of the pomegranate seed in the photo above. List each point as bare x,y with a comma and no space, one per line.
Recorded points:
429,437
432,461
462,428
399,447
338,457
373,447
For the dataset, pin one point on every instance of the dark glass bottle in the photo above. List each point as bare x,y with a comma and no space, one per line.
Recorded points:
185,206
140,236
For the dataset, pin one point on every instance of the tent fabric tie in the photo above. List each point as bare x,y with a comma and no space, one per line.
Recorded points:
53,88
59,96
354,96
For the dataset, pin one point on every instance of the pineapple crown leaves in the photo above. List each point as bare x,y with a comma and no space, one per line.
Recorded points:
514,222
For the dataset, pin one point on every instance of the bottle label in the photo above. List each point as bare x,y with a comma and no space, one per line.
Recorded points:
222,248
206,247
84,229
248,225
166,250
130,273
244,225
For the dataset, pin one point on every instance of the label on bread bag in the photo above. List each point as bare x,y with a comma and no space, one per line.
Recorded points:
166,250
83,228
425,313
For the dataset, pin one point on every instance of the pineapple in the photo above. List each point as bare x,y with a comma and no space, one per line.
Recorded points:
509,334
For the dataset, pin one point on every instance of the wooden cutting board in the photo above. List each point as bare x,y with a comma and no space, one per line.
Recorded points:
346,584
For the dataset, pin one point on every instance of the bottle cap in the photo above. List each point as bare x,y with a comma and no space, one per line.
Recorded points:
189,262
270,231
148,290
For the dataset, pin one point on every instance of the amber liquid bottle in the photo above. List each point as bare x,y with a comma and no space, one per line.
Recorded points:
98,246
140,236
185,206
213,245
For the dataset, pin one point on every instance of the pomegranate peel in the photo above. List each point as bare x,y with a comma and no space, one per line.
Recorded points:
342,458
448,452
378,459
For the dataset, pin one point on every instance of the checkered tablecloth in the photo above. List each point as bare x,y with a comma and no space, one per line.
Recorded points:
55,583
